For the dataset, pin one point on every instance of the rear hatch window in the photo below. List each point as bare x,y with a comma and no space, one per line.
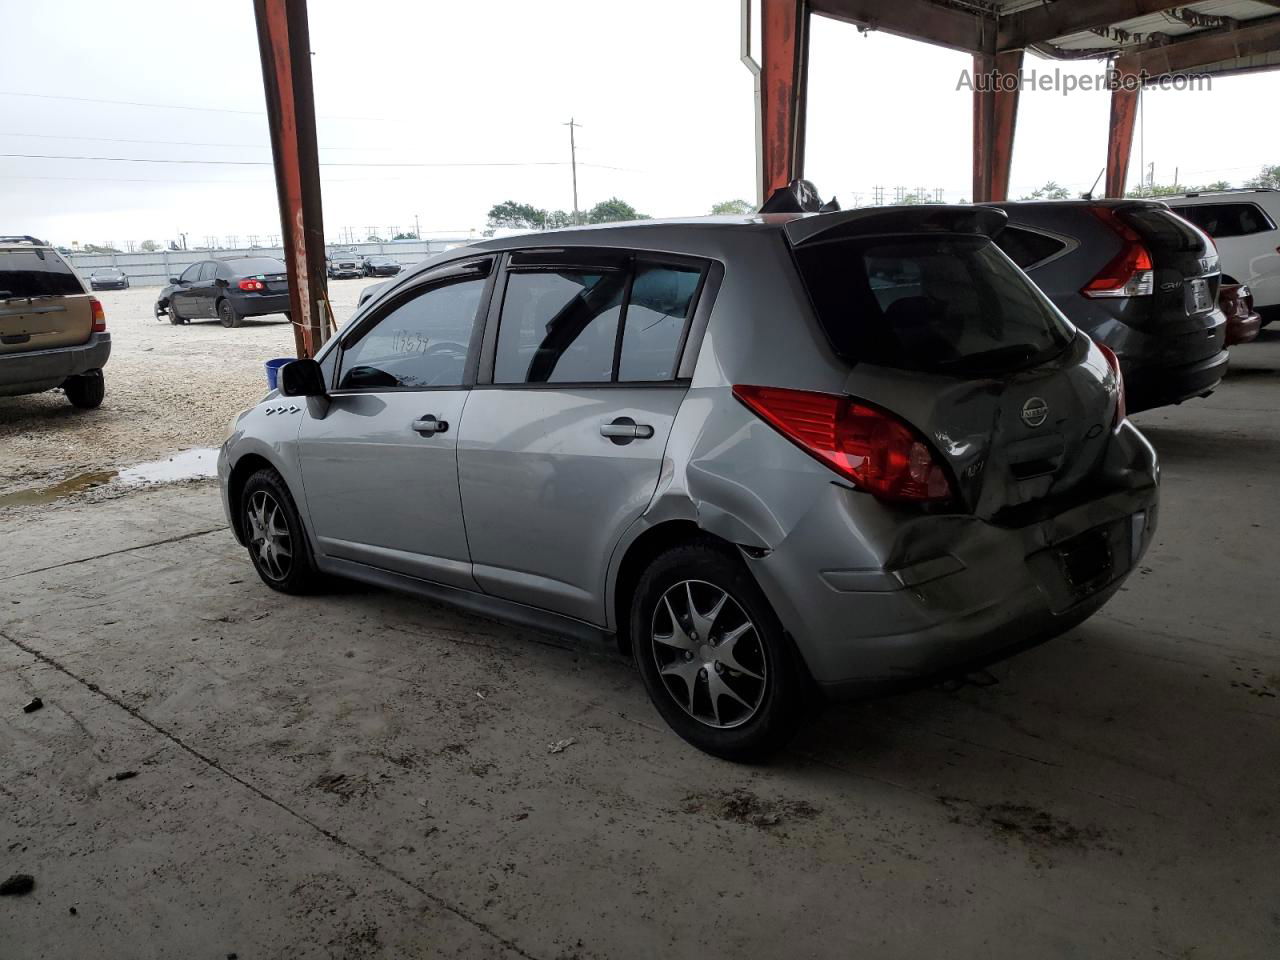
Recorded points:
36,273
949,304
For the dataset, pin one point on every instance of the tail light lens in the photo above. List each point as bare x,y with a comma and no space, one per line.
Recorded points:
874,449
99,315
1130,273
1114,363
252,284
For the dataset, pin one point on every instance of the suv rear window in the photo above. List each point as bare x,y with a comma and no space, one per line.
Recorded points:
942,304
36,273
1166,230
1227,219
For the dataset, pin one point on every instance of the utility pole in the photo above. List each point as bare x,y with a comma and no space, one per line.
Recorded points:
573,163
417,230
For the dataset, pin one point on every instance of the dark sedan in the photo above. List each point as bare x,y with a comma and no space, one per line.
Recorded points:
108,278
226,290
379,266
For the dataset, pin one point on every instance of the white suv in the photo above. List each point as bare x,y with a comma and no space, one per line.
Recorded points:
1243,223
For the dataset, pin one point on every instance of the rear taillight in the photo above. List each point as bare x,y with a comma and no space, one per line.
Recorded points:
99,315
1114,363
252,284
1130,273
872,448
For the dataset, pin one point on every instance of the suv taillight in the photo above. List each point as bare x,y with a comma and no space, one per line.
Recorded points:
99,315
872,448
1114,363
1130,273
252,284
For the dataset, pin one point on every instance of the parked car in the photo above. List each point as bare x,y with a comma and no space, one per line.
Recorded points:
1243,224
343,266
227,290
1235,300
1134,276
108,278
380,266
53,333
776,458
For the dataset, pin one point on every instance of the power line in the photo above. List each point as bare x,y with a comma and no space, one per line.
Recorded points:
166,106
268,163
177,143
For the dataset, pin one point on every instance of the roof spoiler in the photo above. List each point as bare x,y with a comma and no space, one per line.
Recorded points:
921,218
798,196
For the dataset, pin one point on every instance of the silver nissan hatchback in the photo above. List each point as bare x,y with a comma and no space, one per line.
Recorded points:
772,456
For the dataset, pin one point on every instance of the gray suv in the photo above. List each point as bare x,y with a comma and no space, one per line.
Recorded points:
53,333
778,458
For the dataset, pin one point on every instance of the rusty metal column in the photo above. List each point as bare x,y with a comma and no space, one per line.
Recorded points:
997,84
284,44
784,44
1124,115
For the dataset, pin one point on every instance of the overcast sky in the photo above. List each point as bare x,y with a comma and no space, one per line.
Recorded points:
665,108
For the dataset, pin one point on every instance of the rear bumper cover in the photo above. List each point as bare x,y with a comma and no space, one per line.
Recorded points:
37,370
954,590
1151,386
257,305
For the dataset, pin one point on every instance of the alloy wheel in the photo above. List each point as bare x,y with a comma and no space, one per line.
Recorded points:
269,539
709,654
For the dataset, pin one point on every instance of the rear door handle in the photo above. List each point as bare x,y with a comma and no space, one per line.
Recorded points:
429,425
624,430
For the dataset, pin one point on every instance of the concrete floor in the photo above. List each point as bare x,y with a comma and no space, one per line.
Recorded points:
366,775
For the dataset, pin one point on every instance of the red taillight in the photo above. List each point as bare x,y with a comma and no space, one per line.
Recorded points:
252,284
1130,273
874,449
1114,363
99,315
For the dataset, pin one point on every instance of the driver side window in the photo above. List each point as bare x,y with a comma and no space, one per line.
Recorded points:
421,342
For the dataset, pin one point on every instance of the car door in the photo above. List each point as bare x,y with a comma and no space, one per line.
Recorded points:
182,295
379,468
204,291
562,440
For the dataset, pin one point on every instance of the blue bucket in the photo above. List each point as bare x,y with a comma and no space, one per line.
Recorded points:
273,370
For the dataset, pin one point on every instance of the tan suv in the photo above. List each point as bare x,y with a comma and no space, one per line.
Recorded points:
53,333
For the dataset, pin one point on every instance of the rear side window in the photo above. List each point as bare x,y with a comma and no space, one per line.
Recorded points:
942,304
1027,248
36,273
616,323
1222,220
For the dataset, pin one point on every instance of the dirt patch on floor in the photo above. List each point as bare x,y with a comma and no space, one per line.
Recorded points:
743,806
1027,824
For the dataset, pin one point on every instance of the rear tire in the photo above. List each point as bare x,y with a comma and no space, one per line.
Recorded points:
86,390
227,314
691,647
276,539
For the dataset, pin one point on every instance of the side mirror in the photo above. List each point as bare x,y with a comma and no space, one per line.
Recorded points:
174,280
302,378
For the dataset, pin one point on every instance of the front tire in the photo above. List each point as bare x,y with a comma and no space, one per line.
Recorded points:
227,314
713,656
274,535
86,390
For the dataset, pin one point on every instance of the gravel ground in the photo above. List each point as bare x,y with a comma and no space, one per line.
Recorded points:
168,389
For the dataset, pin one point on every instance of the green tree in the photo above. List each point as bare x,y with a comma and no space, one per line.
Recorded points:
374,238
517,216
1050,191
732,208
1269,177
96,248
408,235
612,211
150,246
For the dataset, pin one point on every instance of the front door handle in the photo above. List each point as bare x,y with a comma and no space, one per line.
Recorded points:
624,430
429,425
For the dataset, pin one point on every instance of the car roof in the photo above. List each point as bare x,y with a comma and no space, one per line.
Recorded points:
1232,193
